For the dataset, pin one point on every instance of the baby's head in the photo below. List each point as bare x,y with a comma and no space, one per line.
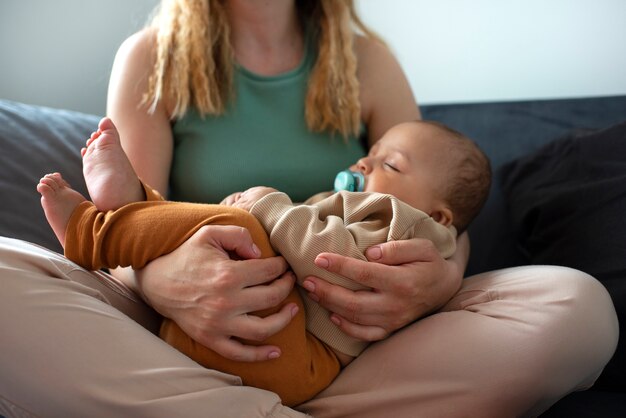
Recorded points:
432,168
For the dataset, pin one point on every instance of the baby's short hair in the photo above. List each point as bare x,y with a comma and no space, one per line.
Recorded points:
469,177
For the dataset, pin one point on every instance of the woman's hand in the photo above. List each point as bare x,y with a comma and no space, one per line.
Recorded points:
409,279
209,295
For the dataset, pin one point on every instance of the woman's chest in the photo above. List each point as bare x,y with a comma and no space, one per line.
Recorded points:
223,155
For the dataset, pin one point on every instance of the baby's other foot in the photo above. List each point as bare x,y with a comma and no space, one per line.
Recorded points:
59,201
110,178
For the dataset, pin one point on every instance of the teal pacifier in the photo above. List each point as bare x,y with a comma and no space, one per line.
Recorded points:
351,181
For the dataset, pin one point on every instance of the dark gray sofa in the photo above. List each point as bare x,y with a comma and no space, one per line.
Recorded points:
534,134
35,140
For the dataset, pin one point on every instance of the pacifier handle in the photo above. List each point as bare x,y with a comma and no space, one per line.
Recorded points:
351,181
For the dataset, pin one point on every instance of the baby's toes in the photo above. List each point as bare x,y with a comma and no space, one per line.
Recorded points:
47,185
93,137
106,124
55,180
61,181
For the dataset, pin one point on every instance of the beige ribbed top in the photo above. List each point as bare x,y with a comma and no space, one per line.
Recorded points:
345,223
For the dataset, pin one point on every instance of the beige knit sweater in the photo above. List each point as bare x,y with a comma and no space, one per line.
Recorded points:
345,223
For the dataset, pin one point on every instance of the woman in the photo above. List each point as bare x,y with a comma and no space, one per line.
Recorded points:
199,127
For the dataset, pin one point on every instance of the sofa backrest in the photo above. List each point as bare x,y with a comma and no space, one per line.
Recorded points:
506,131
36,140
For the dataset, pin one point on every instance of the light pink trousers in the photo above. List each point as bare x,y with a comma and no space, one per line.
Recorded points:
509,344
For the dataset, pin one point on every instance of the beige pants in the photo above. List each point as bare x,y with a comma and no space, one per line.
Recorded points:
510,343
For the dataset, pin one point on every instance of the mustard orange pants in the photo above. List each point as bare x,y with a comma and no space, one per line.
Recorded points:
140,232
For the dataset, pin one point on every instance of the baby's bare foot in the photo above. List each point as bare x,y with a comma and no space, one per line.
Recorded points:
59,201
110,178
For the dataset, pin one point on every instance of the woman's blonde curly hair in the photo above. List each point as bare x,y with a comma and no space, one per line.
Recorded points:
194,65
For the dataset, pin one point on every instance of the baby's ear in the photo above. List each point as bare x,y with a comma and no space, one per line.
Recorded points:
443,215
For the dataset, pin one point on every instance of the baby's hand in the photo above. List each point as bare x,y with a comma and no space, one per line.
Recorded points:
245,200
231,199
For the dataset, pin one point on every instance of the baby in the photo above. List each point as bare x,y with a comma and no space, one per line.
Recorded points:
421,179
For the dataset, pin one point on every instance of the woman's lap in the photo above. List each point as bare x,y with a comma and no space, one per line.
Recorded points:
508,342
67,346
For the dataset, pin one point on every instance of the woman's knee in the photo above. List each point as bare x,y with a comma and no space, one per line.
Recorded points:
562,286
571,297
593,306
560,311
587,296
578,332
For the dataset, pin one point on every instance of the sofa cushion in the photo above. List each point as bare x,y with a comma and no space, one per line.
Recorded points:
34,141
567,204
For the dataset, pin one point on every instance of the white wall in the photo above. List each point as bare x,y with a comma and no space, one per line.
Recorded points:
478,50
59,52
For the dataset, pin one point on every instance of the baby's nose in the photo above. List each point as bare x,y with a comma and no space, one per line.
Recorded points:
364,165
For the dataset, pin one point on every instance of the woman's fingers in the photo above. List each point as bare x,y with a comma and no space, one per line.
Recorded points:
363,272
236,351
251,270
408,280
394,253
252,328
257,298
229,238
211,296
361,332
364,314
255,328
260,271
352,305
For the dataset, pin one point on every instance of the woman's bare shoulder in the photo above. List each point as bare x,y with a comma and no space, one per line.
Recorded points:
139,46
374,55
134,61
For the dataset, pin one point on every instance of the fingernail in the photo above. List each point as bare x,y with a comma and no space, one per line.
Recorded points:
309,285
294,310
374,253
335,320
256,250
322,262
273,355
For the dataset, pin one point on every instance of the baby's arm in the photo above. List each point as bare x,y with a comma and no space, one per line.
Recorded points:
343,223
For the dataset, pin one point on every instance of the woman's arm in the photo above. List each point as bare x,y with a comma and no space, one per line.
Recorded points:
146,137
386,96
197,285
409,280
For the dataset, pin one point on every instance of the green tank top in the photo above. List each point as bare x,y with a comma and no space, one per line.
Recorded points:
261,140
